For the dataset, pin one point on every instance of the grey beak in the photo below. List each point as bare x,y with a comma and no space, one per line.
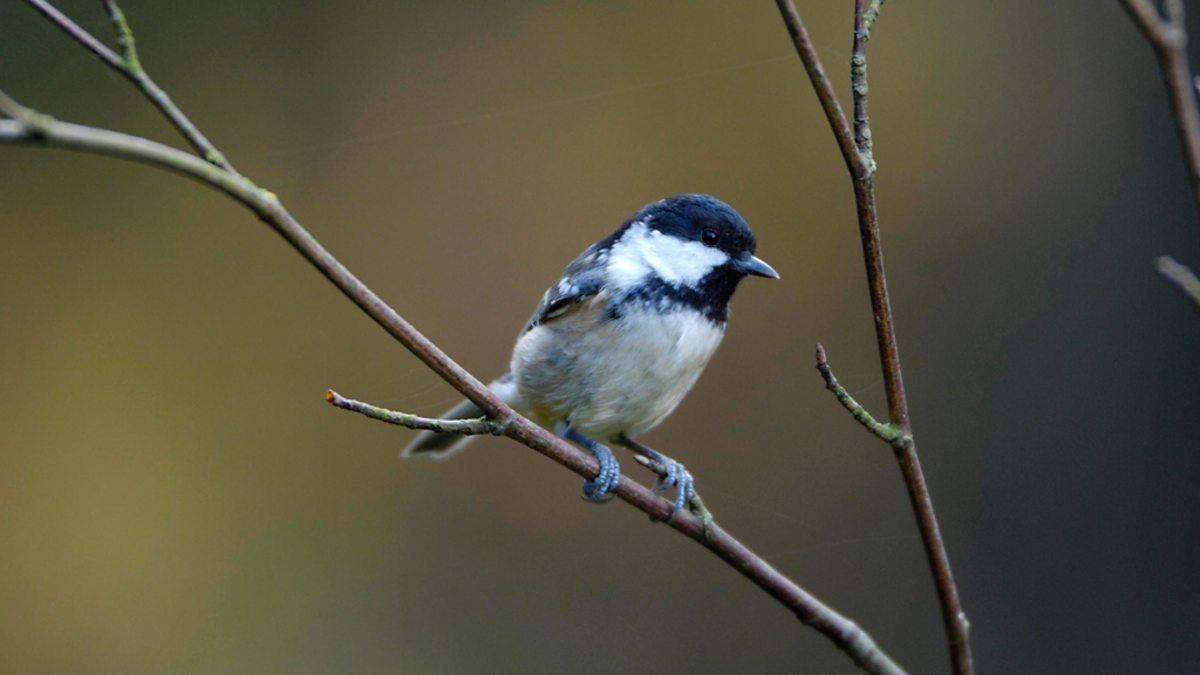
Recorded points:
756,266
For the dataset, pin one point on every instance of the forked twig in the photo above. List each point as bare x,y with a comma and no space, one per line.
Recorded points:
888,433
858,152
130,66
1167,34
28,127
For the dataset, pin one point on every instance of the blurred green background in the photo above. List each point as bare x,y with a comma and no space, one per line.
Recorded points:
177,497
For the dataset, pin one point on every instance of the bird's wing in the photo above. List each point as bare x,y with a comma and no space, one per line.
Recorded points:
583,279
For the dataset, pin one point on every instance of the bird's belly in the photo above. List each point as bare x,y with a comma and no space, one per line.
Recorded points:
608,376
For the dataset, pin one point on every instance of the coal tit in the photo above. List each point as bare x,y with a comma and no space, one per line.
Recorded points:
619,340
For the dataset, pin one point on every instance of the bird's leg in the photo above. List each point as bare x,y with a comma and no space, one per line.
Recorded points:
599,488
670,473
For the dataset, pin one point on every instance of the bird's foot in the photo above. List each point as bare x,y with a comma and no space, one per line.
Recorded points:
675,475
670,474
598,489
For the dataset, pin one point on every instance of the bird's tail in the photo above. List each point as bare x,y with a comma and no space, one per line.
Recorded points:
441,446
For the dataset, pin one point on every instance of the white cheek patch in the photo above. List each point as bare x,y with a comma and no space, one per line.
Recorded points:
642,251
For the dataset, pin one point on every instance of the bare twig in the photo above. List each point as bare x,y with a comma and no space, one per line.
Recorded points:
858,152
821,84
78,34
871,15
468,427
843,632
128,65
1181,276
29,118
31,128
1167,34
888,433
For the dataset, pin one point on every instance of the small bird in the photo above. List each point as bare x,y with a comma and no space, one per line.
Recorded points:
618,341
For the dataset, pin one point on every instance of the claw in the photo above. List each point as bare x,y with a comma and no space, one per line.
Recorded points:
670,474
596,493
685,487
599,489
667,478
674,474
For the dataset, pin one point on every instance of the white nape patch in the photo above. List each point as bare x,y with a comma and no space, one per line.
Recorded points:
642,251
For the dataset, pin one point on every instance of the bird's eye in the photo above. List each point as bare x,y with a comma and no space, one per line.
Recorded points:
709,237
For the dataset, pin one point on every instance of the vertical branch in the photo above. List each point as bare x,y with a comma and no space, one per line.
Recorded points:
1167,34
858,153
820,83
871,14
858,85
953,616
29,127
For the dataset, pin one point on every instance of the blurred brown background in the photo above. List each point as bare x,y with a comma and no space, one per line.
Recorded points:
177,498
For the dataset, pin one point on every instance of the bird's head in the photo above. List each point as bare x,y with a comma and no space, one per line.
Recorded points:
692,247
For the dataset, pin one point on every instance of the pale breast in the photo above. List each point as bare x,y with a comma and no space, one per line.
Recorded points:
610,376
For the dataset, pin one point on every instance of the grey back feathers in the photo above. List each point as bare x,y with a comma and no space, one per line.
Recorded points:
620,338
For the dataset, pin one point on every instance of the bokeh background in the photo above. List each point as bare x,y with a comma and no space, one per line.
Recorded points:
176,497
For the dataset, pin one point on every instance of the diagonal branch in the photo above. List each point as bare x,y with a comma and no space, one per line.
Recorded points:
129,66
52,133
78,34
858,153
28,127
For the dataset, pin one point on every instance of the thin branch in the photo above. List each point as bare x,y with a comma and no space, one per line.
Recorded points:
1167,34
888,433
468,427
871,15
89,42
844,633
859,88
129,66
30,128
1181,276
27,116
820,83
858,153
